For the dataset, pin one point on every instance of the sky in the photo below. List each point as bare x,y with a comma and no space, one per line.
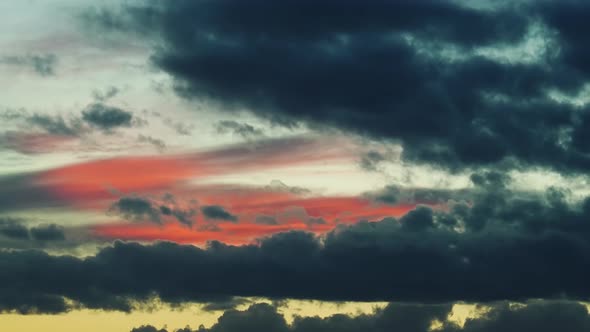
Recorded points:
301,166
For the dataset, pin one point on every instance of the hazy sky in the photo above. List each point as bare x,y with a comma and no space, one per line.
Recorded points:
294,165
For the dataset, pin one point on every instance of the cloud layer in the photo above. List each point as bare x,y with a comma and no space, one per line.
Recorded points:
445,79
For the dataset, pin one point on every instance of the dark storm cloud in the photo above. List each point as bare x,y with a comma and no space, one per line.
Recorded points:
379,69
537,316
216,212
107,117
503,247
42,64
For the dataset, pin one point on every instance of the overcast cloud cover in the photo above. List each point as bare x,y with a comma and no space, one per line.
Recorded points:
242,155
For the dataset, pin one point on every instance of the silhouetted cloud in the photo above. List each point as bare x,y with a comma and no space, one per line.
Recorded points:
505,247
538,316
216,212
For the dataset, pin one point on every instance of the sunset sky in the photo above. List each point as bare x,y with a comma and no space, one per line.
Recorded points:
294,165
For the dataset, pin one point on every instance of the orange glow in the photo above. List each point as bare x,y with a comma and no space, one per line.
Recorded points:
229,233
86,183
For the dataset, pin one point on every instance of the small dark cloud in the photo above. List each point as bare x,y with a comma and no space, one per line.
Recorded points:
50,232
107,117
244,130
216,212
136,209
13,229
42,64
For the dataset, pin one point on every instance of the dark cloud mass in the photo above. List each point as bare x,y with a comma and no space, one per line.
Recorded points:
532,316
505,247
414,71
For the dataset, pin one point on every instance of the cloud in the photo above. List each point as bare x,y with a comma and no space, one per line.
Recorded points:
504,247
159,144
440,77
106,117
15,234
42,64
244,130
216,212
137,208
538,316
48,233
12,229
